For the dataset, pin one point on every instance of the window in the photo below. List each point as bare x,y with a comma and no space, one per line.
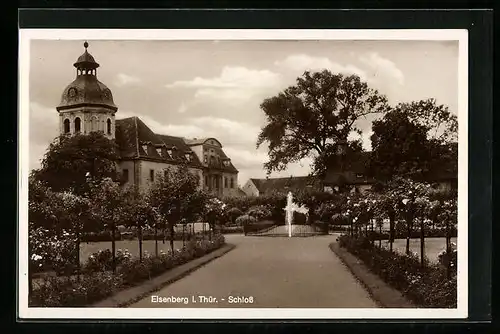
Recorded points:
125,176
66,126
359,176
225,182
232,183
145,148
165,174
78,124
205,159
108,123
206,181
152,175
158,150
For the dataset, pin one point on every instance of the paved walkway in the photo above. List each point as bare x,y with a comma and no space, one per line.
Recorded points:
274,272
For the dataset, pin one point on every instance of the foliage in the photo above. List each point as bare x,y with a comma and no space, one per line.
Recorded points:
413,140
259,212
215,212
245,220
97,283
312,117
233,213
176,198
70,160
425,286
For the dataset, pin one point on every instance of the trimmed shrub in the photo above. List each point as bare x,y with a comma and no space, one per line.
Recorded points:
97,282
426,286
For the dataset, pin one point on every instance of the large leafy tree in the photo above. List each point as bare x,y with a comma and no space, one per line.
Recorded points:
412,140
137,212
311,117
70,160
107,201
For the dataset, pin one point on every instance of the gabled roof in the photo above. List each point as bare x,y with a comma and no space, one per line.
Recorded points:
131,134
199,141
285,184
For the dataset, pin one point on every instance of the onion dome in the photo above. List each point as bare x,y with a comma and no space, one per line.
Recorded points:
86,90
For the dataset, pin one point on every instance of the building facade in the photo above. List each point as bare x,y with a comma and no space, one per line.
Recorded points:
87,105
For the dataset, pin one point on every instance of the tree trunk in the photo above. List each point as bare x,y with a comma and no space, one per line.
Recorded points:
171,237
380,236
156,239
139,236
409,223
113,246
183,235
391,229
371,231
422,242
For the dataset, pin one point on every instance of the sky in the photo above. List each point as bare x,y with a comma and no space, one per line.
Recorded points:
198,89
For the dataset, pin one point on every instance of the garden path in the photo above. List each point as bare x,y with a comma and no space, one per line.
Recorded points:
276,272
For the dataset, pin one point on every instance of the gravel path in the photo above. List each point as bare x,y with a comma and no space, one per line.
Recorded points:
273,272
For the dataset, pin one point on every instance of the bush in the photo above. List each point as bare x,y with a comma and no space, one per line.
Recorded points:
259,212
426,286
71,292
98,283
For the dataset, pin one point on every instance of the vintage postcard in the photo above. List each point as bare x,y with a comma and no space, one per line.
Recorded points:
243,174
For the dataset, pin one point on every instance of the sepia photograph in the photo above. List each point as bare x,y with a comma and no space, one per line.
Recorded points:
243,174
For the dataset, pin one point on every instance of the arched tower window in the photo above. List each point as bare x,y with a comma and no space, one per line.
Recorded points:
66,126
108,126
78,125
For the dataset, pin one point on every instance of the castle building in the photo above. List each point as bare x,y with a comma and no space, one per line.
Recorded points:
87,105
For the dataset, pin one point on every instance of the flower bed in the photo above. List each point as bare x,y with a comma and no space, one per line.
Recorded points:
426,286
97,282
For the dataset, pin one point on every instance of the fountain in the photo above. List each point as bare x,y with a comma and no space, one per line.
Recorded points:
289,209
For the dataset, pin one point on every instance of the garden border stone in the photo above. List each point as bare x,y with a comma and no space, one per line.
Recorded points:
381,292
129,296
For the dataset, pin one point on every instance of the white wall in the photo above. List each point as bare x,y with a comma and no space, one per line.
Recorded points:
250,189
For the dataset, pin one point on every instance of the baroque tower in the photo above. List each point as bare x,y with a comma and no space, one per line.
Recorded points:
86,103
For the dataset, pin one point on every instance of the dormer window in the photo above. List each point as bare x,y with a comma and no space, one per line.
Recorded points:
158,150
188,156
145,148
169,151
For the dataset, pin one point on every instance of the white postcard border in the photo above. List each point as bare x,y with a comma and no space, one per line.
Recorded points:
26,35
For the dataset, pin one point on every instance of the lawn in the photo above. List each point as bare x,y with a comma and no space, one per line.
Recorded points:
433,246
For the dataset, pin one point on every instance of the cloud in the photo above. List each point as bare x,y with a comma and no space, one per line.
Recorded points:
383,66
182,108
44,127
124,80
303,62
233,83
